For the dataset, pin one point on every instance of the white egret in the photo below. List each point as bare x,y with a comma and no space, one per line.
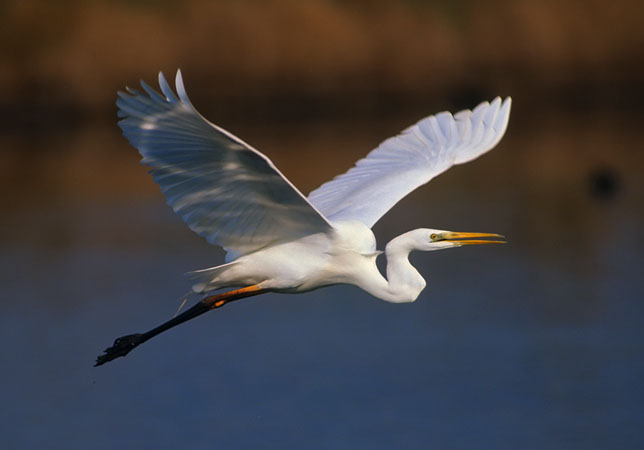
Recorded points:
277,239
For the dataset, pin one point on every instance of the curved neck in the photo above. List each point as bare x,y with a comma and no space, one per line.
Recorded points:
403,283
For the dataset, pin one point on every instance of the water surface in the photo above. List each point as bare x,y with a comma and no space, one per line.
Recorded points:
534,344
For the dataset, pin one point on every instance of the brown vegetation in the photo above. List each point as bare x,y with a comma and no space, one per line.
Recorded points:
359,69
76,53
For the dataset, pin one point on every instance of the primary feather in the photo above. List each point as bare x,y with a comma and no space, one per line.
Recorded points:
404,162
234,196
225,190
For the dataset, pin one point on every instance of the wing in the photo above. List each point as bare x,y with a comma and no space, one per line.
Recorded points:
226,191
402,163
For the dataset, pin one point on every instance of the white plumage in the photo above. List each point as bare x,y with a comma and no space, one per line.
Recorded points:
226,191
404,162
277,239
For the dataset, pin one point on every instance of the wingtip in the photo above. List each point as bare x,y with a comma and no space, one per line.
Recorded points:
178,79
166,89
502,119
162,81
506,105
153,94
181,90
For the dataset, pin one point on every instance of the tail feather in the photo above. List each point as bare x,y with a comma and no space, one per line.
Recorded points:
206,279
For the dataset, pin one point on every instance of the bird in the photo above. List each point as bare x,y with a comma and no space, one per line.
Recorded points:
277,239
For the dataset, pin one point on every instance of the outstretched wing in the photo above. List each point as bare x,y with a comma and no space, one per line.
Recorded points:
226,191
402,163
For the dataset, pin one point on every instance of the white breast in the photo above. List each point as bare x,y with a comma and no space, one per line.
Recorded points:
353,236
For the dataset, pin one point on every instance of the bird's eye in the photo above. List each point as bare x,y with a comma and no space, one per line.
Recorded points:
433,236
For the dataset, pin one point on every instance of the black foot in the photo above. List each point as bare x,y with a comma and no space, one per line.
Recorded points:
122,346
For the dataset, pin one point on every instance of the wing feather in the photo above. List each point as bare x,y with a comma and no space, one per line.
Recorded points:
404,162
225,190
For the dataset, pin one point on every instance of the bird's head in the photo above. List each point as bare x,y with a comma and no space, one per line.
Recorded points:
427,239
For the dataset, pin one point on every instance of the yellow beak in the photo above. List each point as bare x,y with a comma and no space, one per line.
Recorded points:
466,238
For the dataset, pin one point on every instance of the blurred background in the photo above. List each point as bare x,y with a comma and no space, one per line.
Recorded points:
535,344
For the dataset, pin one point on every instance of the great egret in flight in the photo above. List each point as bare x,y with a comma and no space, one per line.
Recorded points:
277,239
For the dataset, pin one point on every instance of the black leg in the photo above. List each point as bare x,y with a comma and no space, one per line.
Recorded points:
125,344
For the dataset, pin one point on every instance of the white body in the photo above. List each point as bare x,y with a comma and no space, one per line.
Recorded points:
275,237
346,255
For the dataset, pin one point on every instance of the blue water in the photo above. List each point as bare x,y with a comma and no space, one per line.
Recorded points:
535,344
